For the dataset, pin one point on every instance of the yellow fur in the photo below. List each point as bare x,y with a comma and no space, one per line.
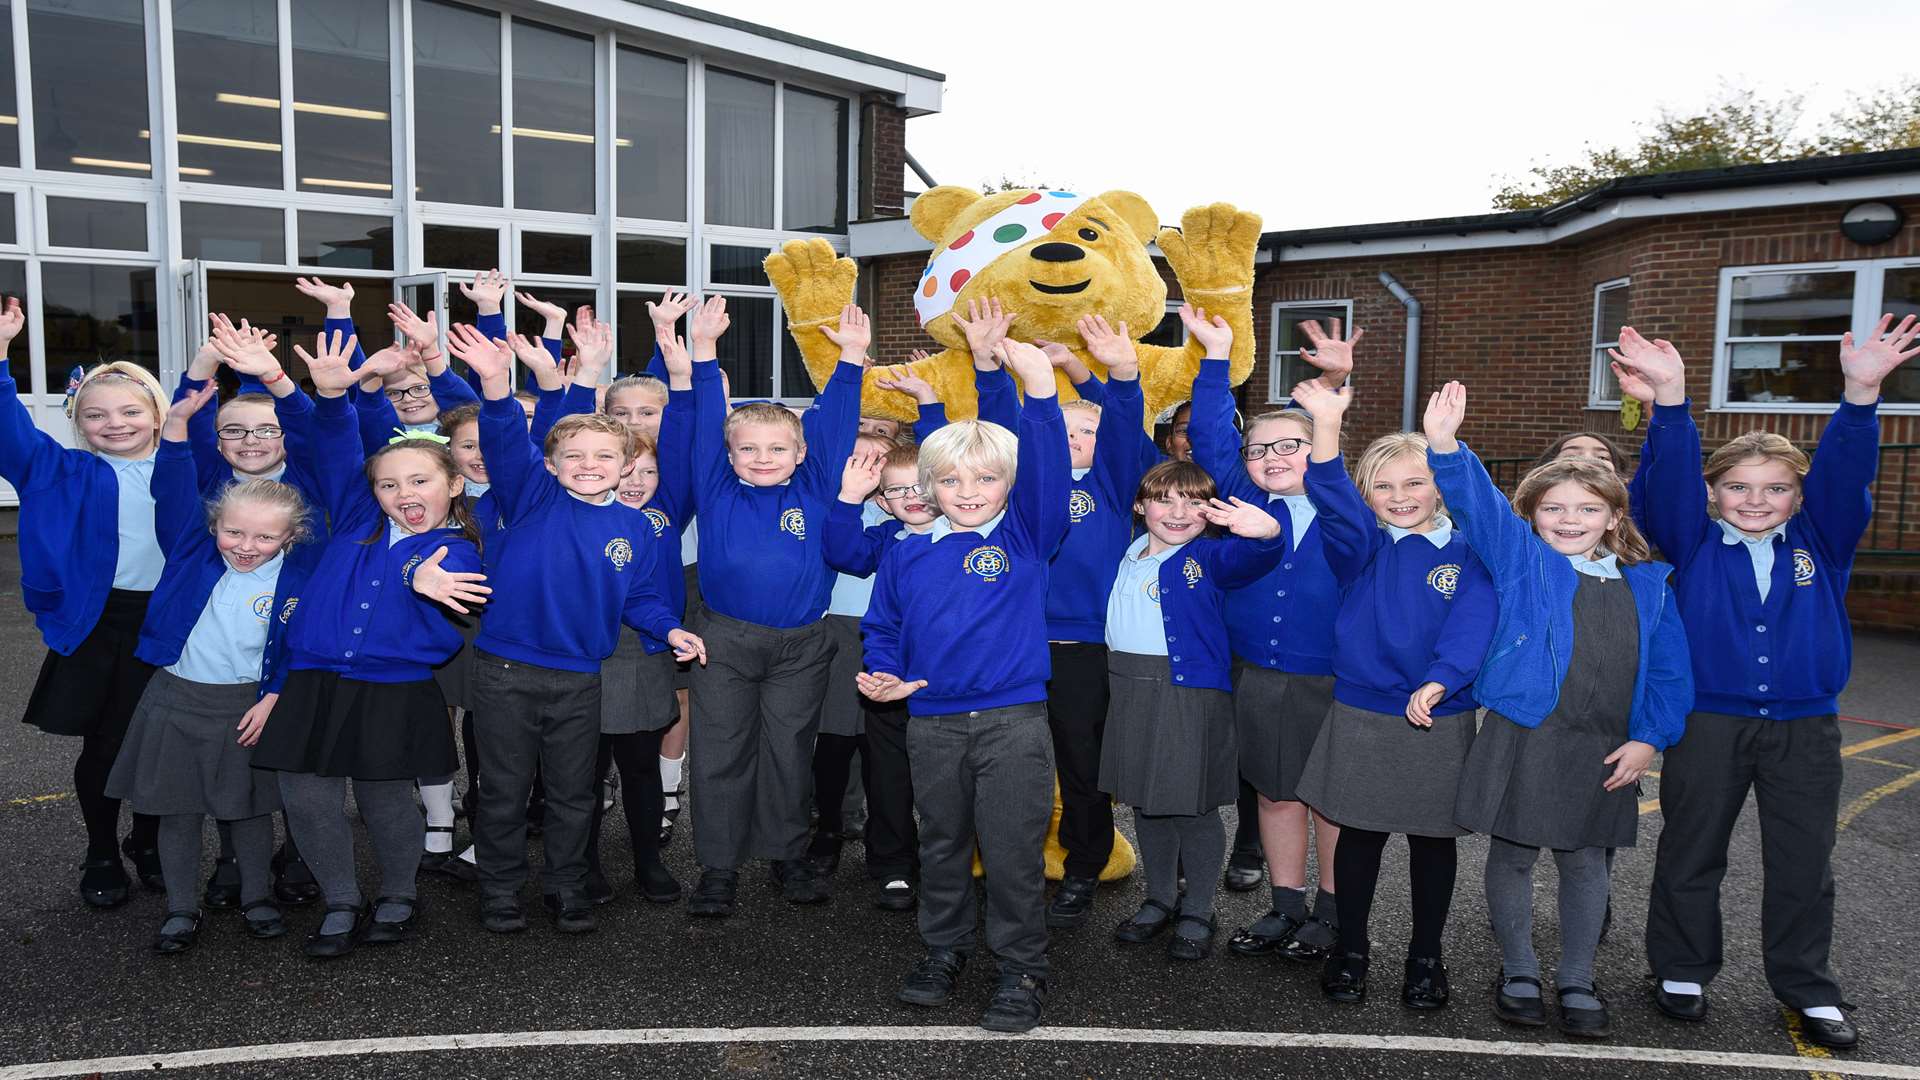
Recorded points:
1211,255
1119,864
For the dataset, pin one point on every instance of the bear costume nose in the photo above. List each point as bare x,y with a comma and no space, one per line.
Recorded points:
1057,252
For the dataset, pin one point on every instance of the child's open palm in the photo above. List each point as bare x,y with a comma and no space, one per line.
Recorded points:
332,297
1110,345
900,377
1867,365
456,589
884,687
488,291
1323,404
1241,518
1331,355
861,475
667,311
710,321
1446,411
1213,333
1654,365
986,324
853,334
330,364
489,357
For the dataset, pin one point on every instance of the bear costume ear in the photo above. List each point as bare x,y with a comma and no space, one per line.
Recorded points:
1134,211
937,209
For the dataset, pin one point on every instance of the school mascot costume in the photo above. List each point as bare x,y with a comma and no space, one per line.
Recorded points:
1094,261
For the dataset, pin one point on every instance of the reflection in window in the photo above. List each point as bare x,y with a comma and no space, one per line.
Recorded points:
224,233
1900,297
634,328
90,86
553,132
729,265
9,100
97,223
653,260
98,313
1609,315
456,102
746,351
227,89
1783,333
457,247
570,254
739,150
341,83
813,168
345,240
650,154
13,282
9,219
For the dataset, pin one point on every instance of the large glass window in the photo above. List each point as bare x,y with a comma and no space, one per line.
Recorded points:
96,223
634,329
9,99
1609,315
456,103
341,81
13,282
227,90
1780,330
739,150
747,348
345,240
456,247
650,154
222,233
95,313
652,260
9,219
1285,369
731,265
568,254
553,127
90,86
813,166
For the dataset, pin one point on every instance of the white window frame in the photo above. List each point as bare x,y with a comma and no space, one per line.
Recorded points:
1596,356
592,233
42,236
1282,395
1868,281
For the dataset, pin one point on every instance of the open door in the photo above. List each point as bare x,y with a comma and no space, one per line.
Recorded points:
193,322
425,293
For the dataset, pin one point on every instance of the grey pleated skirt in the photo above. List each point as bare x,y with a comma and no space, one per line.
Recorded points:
840,711
1276,718
1541,787
456,675
1168,749
1377,771
636,690
181,755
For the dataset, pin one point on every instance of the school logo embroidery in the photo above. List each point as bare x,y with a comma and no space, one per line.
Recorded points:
987,563
1191,571
263,606
1153,589
406,572
286,609
619,552
1802,566
794,521
1444,578
659,519
1079,504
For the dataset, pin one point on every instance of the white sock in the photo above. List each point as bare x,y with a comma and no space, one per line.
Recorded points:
670,779
437,801
468,857
1823,1012
1672,987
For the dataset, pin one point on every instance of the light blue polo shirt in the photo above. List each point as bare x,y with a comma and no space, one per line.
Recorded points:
1134,621
229,639
140,559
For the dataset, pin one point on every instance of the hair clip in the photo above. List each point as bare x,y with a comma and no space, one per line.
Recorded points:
74,378
402,435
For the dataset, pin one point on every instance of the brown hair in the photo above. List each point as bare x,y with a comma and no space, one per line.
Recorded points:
1298,416
250,398
649,383
582,423
765,412
452,420
458,510
1175,478
1764,445
902,455
1623,539
1616,454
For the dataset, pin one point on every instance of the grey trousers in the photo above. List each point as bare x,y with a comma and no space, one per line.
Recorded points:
756,707
1794,769
984,777
534,718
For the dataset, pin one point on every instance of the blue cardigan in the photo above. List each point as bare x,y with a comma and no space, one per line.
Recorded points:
1194,585
1533,640
1100,506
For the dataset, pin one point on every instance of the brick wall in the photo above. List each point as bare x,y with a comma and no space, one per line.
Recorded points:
883,142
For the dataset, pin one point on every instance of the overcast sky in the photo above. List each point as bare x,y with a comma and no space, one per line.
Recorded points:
1337,112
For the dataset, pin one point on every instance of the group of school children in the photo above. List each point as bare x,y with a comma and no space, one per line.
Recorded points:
249,604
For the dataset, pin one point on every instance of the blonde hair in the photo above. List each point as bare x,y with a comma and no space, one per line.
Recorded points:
1623,539
625,383
765,412
1082,405
1297,416
600,423
1389,448
976,444
264,492
253,398
117,371
1764,445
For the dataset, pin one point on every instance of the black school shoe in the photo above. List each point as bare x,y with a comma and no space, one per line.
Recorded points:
103,883
1584,1023
1691,1008
1343,978
503,915
293,882
714,897
447,863
388,932
1182,947
1245,869
1245,942
1072,903
328,946
271,926
223,886
930,983
1425,988
799,881
146,865
656,883
824,853
897,894
600,891
572,912
1134,932
1526,1011
1016,1005
1293,948
172,944
1833,1034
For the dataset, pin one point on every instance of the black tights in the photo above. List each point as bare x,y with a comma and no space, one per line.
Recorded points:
1356,873
832,768
637,756
102,814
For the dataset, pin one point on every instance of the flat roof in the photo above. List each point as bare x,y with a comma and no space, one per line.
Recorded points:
781,35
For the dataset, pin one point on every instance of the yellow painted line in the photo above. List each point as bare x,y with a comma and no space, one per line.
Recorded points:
1806,1049
1884,761
34,800
1876,743
1648,806
1865,802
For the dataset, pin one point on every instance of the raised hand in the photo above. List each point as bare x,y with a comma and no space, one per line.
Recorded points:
709,322
1241,518
538,360
914,356
255,720
592,349
687,647
1213,333
1321,403
413,328
1420,705
900,377
884,687
1028,364
1630,762
453,588
12,321
985,325
337,299
174,428
555,315
853,334
1865,367
1656,364
673,350
1064,361
329,366
1331,355
1446,410
244,349
861,476
666,312
1112,346
488,291
491,358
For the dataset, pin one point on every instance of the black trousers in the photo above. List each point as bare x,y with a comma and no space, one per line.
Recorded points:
637,756
1077,717
892,838
1793,768
536,718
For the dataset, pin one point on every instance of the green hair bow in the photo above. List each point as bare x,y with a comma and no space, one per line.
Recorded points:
402,435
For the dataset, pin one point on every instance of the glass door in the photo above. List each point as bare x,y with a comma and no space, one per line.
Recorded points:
426,293
193,322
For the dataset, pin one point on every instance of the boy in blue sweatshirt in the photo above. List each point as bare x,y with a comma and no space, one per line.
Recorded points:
957,628
762,494
583,564
1762,588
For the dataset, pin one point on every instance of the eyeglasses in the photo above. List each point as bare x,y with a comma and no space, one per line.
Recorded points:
1281,447
265,433
901,491
420,391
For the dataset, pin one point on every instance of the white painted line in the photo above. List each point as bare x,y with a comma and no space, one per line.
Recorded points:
1270,1040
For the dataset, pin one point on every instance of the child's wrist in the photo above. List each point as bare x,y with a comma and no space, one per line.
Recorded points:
340,310
487,307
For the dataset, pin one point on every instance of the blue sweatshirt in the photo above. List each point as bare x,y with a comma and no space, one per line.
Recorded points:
577,570
855,548
1533,639
69,524
1100,507
194,567
760,547
1283,621
361,617
1411,613
213,474
966,610
1192,588
1790,655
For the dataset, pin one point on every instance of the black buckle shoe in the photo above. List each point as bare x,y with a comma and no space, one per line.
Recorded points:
657,884
1016,1005
1833,1034
223,886
327,946
1245,869
715,895
572,912
1425,988
1584,1023
930,983
1526,1011
146,865
172,944
447,863
799,881
387,932
1182,947
272,927
897,894
1072,902
1306,952
293,882
103,883
1135,932
503,915
1691,1008
1245,942
1343,978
